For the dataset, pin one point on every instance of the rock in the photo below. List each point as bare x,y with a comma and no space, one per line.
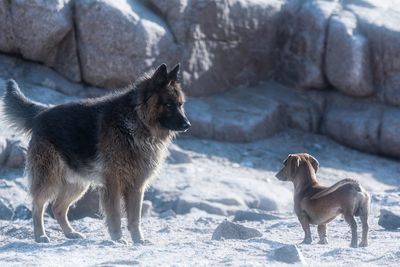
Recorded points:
136,41
301,42
12,154
380,26
22,213
177,155
147,207
362,124
229,230
389,220
347,64
6,212
217,36
253,215
185,204
87,206
226,117
289,254
16,155
167,214
43,31
389,141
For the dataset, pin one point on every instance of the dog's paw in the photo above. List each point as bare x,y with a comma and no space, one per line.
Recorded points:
42,239
74,235
363,244
323,241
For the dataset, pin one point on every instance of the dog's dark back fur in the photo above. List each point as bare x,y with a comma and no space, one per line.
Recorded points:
121,137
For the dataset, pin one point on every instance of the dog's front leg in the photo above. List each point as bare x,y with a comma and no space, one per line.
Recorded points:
111,205
133,202
305,224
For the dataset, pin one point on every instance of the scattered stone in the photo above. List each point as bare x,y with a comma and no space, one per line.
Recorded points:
229,230
253,215
22,213
289,254
177,155
6,212
389,220
167,214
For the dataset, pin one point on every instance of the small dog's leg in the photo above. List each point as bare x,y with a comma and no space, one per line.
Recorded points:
365,228
68,194
111,205
353,225
303,218
133,201
322,234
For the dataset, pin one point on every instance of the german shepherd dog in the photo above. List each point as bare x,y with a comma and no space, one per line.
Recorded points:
117,142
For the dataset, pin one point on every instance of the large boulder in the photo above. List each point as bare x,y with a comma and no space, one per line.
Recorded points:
301,42
119,40
381,26
226,43
41,31
354,124
390,132
347,64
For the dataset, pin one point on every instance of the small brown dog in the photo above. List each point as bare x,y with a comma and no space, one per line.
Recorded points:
318,205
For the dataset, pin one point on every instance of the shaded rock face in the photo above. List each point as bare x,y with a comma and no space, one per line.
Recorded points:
389,220
301,43
229,230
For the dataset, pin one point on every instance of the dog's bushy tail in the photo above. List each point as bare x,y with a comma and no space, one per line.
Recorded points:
19,111
336,187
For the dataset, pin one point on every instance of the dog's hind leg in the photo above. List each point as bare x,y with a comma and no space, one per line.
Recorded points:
349,218
364,212
133,204
43,169
322,234
67,195
110,196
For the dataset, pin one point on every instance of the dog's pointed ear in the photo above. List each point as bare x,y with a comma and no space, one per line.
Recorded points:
160,76
173,74
314,162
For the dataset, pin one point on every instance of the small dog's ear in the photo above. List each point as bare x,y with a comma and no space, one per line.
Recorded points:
160,76
314,162
173,74
295,158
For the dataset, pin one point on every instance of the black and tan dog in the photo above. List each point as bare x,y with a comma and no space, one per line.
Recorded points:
318,205
117,141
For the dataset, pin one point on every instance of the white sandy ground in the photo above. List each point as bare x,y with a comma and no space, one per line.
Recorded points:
221,178
228,176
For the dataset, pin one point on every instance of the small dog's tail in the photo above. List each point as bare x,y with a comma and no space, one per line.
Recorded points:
19,111
336,187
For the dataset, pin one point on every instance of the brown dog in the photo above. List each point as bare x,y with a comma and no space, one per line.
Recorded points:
317,204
